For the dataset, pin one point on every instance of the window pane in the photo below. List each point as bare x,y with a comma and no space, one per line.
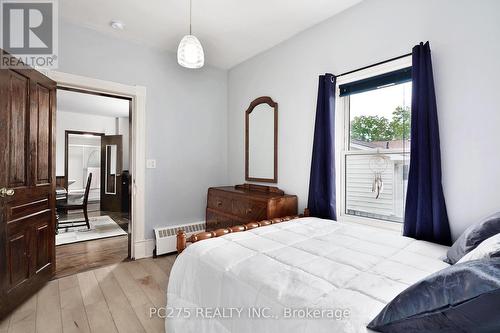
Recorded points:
376,185
380,118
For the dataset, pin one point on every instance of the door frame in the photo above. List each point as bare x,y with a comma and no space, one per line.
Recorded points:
140,246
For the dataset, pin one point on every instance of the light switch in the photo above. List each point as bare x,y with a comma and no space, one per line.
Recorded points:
151,164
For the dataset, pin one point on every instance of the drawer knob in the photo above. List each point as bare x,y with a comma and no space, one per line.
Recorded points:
249,210
219,203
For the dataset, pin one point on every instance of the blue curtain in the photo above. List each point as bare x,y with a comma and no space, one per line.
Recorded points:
425,215
322,200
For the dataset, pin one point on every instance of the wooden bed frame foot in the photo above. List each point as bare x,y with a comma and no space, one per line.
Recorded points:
182,238
181,241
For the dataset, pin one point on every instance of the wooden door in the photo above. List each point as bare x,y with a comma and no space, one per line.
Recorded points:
27,177
111,172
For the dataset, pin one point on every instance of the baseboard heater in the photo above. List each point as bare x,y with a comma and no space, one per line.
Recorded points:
166,237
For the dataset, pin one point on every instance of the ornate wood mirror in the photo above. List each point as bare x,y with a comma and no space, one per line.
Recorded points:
261,141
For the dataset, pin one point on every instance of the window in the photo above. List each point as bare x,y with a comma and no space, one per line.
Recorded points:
376,144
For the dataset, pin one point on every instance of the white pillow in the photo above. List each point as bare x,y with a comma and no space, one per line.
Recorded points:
487,249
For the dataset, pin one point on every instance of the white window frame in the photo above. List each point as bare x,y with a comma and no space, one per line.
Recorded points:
342,128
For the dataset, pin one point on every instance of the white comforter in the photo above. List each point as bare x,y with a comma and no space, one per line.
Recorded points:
299,266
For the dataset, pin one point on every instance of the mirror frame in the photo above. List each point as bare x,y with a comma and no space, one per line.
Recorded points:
110,147
269,101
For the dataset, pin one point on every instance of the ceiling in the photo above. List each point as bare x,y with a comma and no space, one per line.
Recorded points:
231,31
70,101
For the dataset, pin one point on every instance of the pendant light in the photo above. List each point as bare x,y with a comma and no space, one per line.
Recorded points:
190,52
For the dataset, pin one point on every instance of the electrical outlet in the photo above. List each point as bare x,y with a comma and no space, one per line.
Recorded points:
151,164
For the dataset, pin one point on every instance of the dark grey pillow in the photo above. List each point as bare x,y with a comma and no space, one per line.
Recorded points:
472,237
460,298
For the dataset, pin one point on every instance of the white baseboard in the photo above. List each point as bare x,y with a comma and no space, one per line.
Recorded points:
144,248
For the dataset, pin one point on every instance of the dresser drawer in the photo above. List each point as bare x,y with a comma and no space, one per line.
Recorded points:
219,202
212,221
235,205
217,220
250,209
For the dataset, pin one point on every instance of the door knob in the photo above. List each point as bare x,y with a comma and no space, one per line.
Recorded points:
6,192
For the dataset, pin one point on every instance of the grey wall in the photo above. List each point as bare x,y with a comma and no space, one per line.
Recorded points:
464,37
186,118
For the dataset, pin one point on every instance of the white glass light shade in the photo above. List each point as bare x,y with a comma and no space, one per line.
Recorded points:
190,52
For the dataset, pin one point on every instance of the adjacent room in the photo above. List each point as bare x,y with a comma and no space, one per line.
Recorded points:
233,166
92,180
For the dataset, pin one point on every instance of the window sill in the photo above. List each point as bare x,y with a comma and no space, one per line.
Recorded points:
386,225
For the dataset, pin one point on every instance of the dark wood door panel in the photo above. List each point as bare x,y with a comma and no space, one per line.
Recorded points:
27,216
42,251
43,135
17,259
26,195
30,247
18,211
17,131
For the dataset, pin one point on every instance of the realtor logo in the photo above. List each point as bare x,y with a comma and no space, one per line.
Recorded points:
29,33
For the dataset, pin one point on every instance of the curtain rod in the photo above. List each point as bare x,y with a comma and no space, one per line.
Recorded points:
373,65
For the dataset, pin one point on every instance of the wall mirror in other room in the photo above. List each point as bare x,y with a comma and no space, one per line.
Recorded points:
111,154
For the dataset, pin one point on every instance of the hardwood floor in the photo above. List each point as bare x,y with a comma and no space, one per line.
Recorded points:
80,257
114,298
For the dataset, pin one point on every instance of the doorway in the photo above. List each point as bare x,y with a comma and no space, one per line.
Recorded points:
92,180
140,246
28,177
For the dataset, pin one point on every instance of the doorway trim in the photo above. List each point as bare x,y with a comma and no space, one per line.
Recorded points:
141,247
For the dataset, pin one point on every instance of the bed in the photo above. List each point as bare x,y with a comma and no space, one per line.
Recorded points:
272,278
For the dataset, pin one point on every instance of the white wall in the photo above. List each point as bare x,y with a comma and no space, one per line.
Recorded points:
186,118
78,122
123,128
464,37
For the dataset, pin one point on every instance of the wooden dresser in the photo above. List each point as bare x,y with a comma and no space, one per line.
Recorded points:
232,205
